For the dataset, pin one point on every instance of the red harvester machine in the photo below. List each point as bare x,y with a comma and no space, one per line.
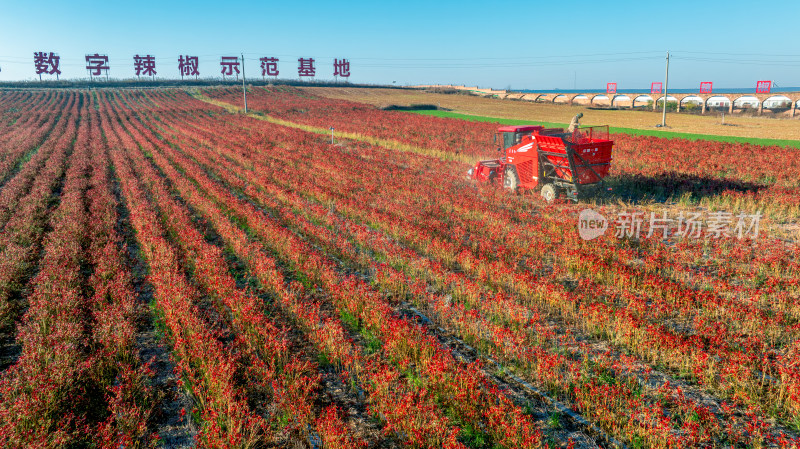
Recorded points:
561,163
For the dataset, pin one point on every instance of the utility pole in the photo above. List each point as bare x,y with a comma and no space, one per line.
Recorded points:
666,95
244,88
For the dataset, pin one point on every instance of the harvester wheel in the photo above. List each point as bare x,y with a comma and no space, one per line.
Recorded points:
510,178
549,192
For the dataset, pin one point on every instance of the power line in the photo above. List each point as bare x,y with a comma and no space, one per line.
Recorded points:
738,54
501,65
740,61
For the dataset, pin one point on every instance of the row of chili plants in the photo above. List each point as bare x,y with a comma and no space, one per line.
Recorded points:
405,343
25,201
713,149
276,373
385,383
78,379
661,155
206,367
217,163
28,131
709,306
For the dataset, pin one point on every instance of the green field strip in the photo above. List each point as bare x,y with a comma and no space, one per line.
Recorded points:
631,131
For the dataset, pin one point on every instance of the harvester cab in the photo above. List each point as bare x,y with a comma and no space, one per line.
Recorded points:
508,136
513,135
551,160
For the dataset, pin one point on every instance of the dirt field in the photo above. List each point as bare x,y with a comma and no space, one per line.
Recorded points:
739,126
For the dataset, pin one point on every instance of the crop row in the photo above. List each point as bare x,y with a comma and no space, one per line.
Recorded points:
705,302
24,204
78,379
349,113
403,342
276,374
678,295
662,155
658,343
289,177
273,193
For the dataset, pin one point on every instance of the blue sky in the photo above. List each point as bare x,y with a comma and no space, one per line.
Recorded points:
522,45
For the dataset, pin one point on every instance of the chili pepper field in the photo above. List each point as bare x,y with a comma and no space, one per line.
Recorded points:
175,272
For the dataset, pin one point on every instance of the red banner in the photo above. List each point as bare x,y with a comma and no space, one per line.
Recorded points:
655,88
611,88
705,87
763,87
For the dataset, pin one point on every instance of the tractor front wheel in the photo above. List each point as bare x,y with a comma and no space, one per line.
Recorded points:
549,192
510,178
